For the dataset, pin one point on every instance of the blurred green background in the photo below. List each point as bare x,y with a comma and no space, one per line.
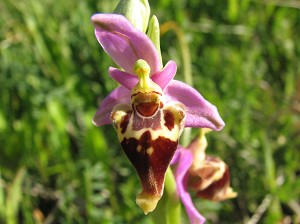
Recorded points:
56,167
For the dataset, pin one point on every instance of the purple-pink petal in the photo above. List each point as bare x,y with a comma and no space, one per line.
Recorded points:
164,77
176,156
117,96
184,161
200,112
125,79
123,43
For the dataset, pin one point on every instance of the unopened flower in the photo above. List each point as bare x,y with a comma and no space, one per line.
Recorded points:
136,11
150,109
207,175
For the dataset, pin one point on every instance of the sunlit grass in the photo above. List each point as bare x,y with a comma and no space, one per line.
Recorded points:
56,167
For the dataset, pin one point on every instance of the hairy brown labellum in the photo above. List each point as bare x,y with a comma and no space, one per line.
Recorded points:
149,138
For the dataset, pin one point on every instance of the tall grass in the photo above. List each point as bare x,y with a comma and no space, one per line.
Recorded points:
56,167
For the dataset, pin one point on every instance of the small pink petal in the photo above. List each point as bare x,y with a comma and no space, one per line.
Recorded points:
164,77
200,113
184,162
123,43
117,96
176,157
125,79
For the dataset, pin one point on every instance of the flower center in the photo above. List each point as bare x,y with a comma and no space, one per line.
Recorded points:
146,95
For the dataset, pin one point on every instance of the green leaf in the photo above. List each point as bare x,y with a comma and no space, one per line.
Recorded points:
14,197
154,34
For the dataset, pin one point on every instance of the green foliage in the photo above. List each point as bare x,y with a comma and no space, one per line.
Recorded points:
56,167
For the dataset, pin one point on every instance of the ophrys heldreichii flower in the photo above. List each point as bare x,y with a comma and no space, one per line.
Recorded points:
150,109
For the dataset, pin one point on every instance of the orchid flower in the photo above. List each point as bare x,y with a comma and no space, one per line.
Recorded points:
207,175
150,109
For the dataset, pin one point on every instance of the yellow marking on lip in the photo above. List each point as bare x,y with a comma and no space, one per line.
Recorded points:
164,131
149,151
139,148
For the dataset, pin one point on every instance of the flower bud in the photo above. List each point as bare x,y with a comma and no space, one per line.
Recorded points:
136,11
154,34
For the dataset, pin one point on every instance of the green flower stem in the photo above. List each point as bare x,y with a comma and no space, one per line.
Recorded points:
186,62
173,204
185,51
168,210
270,173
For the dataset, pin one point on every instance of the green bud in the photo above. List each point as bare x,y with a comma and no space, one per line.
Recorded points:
154,34
136,11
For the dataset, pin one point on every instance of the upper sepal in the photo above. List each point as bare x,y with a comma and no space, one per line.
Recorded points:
124,43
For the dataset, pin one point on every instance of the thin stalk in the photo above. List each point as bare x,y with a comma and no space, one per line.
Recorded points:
270,173
186,62
168,210
173,204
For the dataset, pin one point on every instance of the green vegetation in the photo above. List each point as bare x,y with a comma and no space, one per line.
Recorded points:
56,167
